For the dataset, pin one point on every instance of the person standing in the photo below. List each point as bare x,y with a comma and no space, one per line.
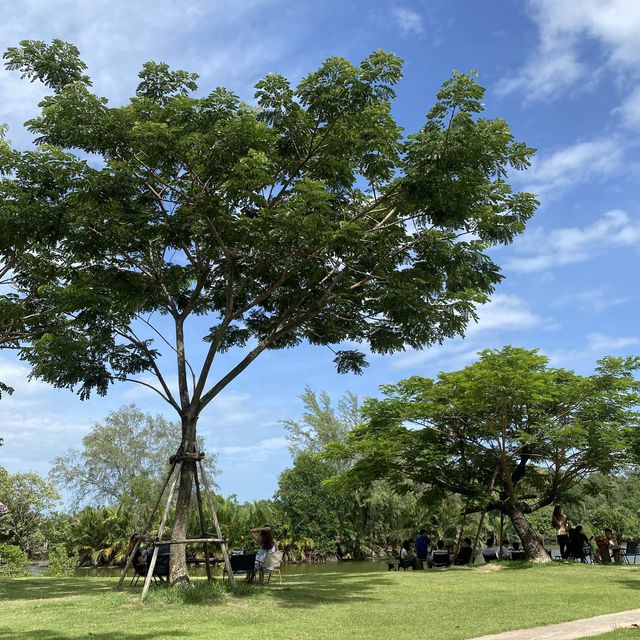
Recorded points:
422,547
562,525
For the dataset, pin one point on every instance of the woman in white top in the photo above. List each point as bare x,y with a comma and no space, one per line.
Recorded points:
266,544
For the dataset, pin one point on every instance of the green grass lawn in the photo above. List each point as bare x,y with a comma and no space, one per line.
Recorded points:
447,605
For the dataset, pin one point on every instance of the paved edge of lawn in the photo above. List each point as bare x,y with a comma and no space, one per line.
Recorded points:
582,628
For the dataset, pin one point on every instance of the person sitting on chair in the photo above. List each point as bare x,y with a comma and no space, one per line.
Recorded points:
407,559
504,553
579,544
516,552
439,557
490,551
465,552
139,560
263,537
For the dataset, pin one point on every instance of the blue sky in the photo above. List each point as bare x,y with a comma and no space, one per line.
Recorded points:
564,73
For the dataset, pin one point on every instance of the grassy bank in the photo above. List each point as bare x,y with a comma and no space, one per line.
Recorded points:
448,605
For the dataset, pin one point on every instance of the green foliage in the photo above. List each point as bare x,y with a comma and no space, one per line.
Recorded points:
13,561
101,536
61,563
320,514
311,506
321,425
123,461
31,501
306,218
507,433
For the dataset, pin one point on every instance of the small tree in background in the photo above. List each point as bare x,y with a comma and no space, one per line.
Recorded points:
508,433
31,501
200,219
123,461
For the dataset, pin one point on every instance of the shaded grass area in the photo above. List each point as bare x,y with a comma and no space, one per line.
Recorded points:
449,605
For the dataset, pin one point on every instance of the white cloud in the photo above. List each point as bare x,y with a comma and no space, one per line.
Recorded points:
596,300
409,22
116,37
566,28
573,165
598,345
278,443
540,250
504,312
26,392
630,108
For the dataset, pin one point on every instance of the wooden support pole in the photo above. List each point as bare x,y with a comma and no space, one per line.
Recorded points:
212,507
165,515
129,561
203,531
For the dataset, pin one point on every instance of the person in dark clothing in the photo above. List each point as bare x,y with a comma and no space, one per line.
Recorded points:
465,552
579,545
139,560
422,546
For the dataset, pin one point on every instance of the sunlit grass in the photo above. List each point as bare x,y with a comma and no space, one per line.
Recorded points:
448,605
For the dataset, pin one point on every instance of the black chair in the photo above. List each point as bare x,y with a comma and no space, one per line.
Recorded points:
140,571
163,561
583,554
464,556
518,554
632,551
490,556
241,564
440,559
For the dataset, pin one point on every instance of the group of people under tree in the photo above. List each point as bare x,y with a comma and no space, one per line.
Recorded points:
574,543
424,551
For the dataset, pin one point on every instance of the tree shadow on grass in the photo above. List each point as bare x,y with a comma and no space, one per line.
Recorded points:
630,584
46,588
48,634
326,588
306,591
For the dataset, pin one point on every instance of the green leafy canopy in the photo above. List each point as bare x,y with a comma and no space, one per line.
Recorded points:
307,217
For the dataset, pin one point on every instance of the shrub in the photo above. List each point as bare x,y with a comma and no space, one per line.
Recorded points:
60,563
13,561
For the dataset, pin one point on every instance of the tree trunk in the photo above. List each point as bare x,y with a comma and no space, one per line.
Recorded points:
178,568
533,546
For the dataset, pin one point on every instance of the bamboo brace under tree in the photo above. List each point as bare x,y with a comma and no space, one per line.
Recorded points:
308,217
177,461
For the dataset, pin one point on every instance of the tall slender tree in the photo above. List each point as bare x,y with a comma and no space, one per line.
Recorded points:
308,217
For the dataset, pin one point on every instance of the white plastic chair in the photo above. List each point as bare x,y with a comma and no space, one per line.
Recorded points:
271,564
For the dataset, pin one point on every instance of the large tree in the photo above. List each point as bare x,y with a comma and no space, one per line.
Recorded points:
508,432
307,217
